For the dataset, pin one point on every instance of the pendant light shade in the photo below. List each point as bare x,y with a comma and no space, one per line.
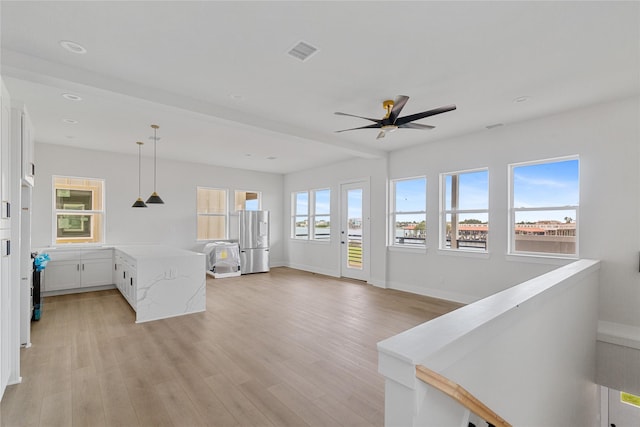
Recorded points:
154,198
139,203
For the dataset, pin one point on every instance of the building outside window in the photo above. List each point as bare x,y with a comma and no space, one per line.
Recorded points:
408,214
211,212
321,215
79,213
544,203
248,200
311,215
465,215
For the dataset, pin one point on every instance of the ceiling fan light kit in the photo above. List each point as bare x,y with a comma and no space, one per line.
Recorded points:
390,122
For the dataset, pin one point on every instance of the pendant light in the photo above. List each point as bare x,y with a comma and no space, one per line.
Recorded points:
139,203
154,198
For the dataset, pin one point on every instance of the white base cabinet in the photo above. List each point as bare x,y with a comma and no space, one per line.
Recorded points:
125,277
160,281
78,269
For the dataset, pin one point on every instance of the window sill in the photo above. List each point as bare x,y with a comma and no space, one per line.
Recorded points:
407,249
541,259
464,253
313,242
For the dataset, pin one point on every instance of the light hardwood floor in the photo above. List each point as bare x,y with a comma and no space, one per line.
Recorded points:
285,348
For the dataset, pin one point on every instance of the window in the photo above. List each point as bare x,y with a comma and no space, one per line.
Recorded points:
544,207
311,215
322,214
211,213
409,212
300,210
465,217
248,201
79,210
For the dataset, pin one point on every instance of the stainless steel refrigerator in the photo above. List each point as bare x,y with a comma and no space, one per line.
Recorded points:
254,241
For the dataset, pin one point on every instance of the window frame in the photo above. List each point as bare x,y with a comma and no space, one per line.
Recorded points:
511,251
442,234
235,200
310,215
393,212
225,213
314,214
93,213
295,215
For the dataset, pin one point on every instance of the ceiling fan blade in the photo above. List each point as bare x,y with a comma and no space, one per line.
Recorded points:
377,125
397,107
360,117
418,116
381,134
416,126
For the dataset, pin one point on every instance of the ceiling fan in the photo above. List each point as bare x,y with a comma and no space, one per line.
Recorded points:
391,121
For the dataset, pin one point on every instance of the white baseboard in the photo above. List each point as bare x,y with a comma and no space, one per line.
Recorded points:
433,293
313,269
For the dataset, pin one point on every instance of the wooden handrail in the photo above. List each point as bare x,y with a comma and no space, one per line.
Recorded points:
457,392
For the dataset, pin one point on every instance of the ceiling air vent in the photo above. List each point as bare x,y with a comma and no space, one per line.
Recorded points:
302,51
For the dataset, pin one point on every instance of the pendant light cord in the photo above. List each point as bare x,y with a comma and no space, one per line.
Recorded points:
139,167
155,159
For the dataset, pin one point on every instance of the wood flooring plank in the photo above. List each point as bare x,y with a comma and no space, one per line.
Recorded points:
270,406
303,407
118,409
282,348
242,408
56,410
178,405
87,406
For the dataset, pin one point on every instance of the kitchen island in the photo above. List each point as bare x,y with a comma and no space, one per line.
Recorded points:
160,281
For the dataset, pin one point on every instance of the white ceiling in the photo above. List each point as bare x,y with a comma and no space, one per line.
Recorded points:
217,79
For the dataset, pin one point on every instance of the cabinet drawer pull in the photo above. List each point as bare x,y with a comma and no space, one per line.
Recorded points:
6,247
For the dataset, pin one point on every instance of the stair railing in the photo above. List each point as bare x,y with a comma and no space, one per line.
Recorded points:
458,393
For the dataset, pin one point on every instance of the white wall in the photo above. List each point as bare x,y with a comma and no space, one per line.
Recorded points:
322,257
527,352
173,223
606,137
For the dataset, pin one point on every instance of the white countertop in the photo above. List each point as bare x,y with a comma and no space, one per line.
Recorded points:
154,251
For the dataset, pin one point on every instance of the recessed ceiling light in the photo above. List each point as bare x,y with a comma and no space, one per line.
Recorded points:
70,121
521,99
73,47
247,155
236,96
271,158
71,97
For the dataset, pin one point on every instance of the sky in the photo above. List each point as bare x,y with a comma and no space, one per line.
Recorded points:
551,185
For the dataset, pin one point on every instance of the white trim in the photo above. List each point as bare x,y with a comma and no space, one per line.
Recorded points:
538,258
511,222
465,253
433,293
619,334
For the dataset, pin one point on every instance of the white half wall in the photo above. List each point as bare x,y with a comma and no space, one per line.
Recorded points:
173,223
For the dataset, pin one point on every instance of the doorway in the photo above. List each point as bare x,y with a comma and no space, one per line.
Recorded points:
354,230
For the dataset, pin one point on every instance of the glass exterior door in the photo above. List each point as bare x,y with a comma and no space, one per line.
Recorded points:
353,233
